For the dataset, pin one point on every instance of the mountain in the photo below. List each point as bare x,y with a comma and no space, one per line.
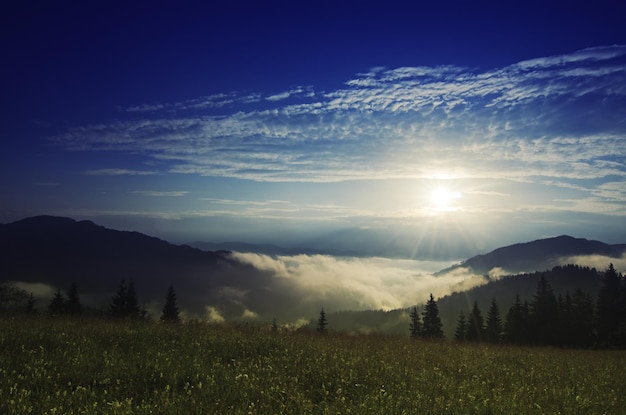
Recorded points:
47,253
58,251
537,255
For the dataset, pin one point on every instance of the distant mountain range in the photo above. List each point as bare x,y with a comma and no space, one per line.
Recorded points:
537,255
57,251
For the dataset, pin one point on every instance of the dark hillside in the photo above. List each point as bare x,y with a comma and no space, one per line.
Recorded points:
537,255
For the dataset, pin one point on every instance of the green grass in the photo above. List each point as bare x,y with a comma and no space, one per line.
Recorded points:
97,367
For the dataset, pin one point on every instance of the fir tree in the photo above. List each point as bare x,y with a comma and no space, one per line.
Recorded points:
29,307
493,329
610,308
57,305
322,323
73,305
117,309
544,314
461,328
476,326
431,322
170,309
132,308
415,325
516,322
582,319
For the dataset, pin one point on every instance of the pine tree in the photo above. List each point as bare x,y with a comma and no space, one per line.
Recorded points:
516,322
170,309
57,305
73,305
544,314
117,309
493,329
132,308
415,325
476,326
431,322
322,323
582,319
610,309
29,307
461,328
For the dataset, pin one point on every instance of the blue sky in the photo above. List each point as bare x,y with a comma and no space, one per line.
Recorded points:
426,131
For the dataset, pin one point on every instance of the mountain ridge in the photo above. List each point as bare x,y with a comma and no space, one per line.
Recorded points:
58,251
536,255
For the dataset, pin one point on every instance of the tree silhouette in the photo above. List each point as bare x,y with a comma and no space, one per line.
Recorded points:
170,312
57,305
461,328
610,308
582,319
476,326
415,326
515,326
29,307
544,314
132,308
431,322
322,323
493,329
73,306
117,309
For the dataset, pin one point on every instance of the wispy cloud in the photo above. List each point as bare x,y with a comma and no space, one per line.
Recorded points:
552,119
156,193
118,172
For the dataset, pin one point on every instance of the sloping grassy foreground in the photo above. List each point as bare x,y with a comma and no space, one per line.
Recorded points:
97,367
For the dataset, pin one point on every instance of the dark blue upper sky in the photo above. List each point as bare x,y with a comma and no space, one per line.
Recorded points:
230,119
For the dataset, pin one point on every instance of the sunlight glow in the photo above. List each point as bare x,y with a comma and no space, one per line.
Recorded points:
443,199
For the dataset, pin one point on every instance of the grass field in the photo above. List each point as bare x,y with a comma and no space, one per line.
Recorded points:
98,367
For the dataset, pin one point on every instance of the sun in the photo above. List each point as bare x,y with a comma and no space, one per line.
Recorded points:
444,199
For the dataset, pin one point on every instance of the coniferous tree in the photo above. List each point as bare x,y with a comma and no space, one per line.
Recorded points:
476,325
117,309
610,309
582,319
29,307
415,325
461,328
57,305
170,309
544,314
493,328
322,323
431,322
73,305
132,307
515,323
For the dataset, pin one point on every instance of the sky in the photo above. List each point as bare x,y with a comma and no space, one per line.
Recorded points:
428,131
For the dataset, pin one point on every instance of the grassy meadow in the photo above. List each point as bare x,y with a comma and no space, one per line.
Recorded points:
64,366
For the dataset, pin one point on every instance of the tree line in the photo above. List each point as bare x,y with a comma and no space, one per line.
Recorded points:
570,320
124,304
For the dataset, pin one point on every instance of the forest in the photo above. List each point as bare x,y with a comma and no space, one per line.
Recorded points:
575,320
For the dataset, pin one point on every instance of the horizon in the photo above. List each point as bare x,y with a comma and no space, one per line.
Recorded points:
437,133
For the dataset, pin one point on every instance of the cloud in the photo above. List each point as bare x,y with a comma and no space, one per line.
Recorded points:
293,288
600,262
551,119
118,172
155,193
